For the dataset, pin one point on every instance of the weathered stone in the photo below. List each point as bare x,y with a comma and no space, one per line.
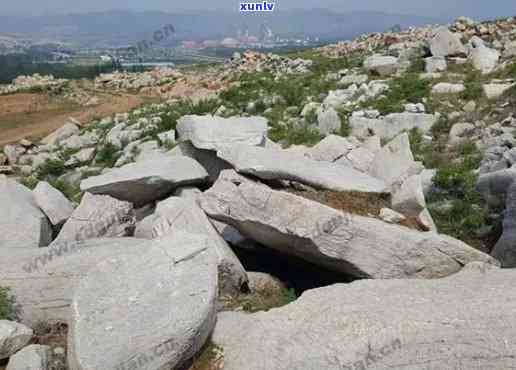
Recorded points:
184,215
391,216
495,90
409,198
447,88
82,156
33,357
22,224
281,165
98,216
484,58
52,202
435,64
60,134
494,185
382,324
460,132
155,308
43,279
331,148
391,125
505,249
355,245
328,121
13,337
212,132
382,65
146,181
445,43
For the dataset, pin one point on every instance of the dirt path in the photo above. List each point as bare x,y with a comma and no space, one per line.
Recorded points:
36,115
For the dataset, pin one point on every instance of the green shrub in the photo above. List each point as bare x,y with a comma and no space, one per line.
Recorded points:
473,85
107,155
73,193
7,305
51,167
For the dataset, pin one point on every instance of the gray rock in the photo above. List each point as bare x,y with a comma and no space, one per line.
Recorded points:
495,90
354,245
484,58
493,186
184,215
391,216
43,279
207,158
505,249
153,309
460,132
328,121
509,49
391,125
445,43
146,181
22,224
98,216
13,153
33,357
409,198
331,148
447,88
60,134
212,132
281,165
435,64
52,202
382,324
82,156
13,337
382,65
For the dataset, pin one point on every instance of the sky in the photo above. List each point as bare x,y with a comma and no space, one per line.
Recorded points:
479,9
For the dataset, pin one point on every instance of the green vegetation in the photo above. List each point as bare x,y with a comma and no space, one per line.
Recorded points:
51,167
7,305
107,155
263,300
473,85
71,192
406,89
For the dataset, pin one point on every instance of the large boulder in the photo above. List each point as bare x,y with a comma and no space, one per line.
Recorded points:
444,43
147,181
152,310
43,279
331,148
98,216
328,120
505,249
391,125
13,337
483,58
381,65
22,224
33,357
212,132
52,202
184,215
61,133
458,322
343,242
281,165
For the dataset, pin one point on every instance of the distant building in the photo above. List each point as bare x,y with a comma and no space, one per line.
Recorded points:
230,43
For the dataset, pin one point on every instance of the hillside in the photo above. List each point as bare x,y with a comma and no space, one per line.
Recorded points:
345,207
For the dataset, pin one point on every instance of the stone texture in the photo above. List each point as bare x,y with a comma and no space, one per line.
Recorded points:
382,65
22,224
184,215
33,357
212,132
454,323
52,202
354,245
60,134
484,58
505,249
445,43
98,216
391,125
435,64
13,337
146,181
391,216
331,148
447,88
153,309
281,165
328,121
495,90
43,279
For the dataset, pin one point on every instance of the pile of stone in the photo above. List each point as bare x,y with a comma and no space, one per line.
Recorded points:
36,81
251,61
143,262
137,80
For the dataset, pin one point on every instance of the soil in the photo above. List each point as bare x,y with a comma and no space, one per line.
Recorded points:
33,116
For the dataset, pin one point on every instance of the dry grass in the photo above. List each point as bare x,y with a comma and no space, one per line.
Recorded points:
210,357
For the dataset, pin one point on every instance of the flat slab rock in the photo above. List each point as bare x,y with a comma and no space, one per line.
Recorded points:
212,132
51,201
22,224
458,322
13,337
146,181
152,310
184,215
270,164
43,279
358,246
98,216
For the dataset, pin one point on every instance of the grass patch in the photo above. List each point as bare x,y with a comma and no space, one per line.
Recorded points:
107,155
211,357
51,168
7,305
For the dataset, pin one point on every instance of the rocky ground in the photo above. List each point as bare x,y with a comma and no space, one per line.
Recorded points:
348,207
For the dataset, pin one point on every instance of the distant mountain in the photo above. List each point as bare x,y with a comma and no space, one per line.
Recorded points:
117,28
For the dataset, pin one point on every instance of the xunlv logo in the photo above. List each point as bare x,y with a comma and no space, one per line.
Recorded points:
257,7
